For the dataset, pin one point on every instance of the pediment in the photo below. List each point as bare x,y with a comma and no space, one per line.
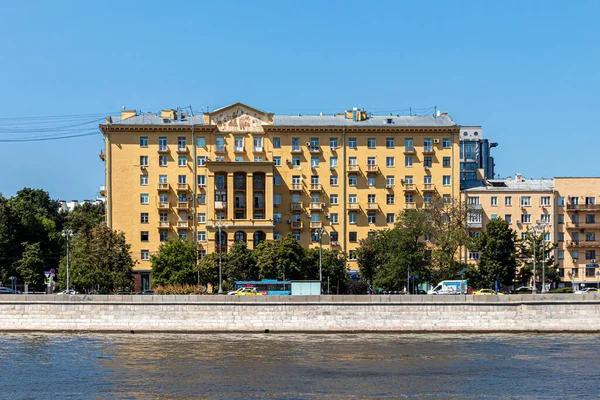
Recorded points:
238,117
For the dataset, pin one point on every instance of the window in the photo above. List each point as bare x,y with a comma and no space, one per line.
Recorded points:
590,200
389,143
371,199
333,218
144,180
408,161
258,144
181,143
408,198
143,161
163,198
523,235
526,218
145,255
314,161
408,144
333,180
371,143
201,198
333,143
258,158
590,254
333,237
352,143
276,143
427,198
446,143
389,198
389,218
574,200
333,199
277,161
494,200
333,162
370,180
352,218
296,236
574,273
295,161
389,181
575,254
182,161
561,254
590,219
277,180
545,200
144,236
353,237
508,201
163,236
181,179
427,179
389,162
590,272
352,161
427,162
201,218
352,198
561,201
473,255
239,144
545,218
295,179
446,180
144,218
560,219
201,160
162,161
200,141
446,198
202,236
295,144
276,199
352,255
474,200
508,218
408,179
201,180
182,235
494,216
590,236
560,236
143,141
277,235
351,180
525,201
372,218
144,199
446,162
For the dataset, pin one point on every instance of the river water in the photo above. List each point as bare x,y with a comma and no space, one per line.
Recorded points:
295,366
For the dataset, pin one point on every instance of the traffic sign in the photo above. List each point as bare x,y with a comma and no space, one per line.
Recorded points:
47,273
52,271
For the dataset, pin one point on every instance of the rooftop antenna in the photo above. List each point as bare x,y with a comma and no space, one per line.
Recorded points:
122,107
410,111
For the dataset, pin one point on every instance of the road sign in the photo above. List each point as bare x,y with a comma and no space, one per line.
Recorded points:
52,271
414,277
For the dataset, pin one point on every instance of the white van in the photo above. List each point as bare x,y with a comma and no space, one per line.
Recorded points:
450,287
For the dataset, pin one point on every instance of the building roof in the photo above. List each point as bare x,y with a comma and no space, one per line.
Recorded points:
153,119
512,185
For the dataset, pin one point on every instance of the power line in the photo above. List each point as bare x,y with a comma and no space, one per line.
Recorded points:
40,139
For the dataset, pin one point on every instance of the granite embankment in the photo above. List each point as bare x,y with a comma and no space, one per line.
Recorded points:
509,313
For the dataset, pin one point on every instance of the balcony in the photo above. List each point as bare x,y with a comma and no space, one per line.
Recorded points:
389,185
316,187
353,168
409,187
372,206
353,206
475,207
163,149
583,207
102,156
475,224
296,187
315,150
409,150
182,205
220,205
239,149
316,206
102,191
182,149
428,187
296,207
182,187
220,148
410,206
182,225
427,149
334,243
296,225
163,224
316,224
163,206
259,149
583,243
372,168
296,150
163,187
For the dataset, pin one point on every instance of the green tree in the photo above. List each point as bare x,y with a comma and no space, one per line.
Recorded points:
9,245
334,271
498,261
31,265
240,263
208,270
544,255
273,255
174,263
98,261
84,217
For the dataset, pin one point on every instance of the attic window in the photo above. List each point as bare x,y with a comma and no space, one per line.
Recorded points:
166,120
389,120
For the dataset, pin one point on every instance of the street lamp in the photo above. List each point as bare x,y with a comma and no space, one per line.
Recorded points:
67,233
544,226
320,232
536,229
220,225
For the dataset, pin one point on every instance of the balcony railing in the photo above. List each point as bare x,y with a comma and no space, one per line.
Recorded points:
410,206
182,224
297,225
162,186
427,149
316,224
315,150
219,149
371,168
296,207
372,206
475,224
163,149
259,149
409,150
583,243
163,205
182,187
583,207
353,206
182,149
583,225
163,224
296,187
239,149
220,205
315,187
428,187
182,205
353,168
296,150
316,206
409,187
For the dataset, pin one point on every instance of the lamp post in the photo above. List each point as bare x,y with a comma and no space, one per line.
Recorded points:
536,229
320,232
544,226
220,225
67,233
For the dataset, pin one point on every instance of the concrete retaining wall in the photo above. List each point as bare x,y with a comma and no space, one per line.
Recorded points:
549,313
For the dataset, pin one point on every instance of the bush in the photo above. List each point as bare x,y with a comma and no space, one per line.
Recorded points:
180,289
358,287
563,290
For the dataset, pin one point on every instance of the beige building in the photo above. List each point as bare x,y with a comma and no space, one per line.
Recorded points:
261,176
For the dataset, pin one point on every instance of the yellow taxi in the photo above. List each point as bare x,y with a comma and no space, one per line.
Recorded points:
248,292
487,292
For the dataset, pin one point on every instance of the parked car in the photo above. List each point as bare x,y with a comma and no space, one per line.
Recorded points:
248,292
69,292
147,291
524,290
6,290
487,292
233,292
588,290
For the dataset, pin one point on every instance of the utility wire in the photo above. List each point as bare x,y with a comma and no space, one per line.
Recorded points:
40,139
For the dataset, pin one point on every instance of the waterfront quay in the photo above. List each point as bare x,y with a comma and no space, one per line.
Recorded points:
325,314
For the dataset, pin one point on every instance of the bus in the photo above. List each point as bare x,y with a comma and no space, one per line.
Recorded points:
268,287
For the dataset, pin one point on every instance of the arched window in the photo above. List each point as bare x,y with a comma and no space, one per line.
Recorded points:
259,236
222,241
240,236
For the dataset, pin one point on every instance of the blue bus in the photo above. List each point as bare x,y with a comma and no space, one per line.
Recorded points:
267,287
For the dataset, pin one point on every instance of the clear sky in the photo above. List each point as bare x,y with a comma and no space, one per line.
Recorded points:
528,71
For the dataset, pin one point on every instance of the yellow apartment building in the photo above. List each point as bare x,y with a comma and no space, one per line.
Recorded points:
260,176
578,230
519,201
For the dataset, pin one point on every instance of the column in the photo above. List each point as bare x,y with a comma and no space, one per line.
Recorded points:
249,196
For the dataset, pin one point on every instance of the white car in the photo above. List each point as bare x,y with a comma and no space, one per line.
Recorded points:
70,292
234,292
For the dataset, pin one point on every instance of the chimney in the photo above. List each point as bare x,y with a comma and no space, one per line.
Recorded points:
126,114
519,178
168,114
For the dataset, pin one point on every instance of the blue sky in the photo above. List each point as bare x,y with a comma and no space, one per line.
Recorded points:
528,71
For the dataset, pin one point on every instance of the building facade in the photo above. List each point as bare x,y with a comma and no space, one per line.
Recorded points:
476,162
254,175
